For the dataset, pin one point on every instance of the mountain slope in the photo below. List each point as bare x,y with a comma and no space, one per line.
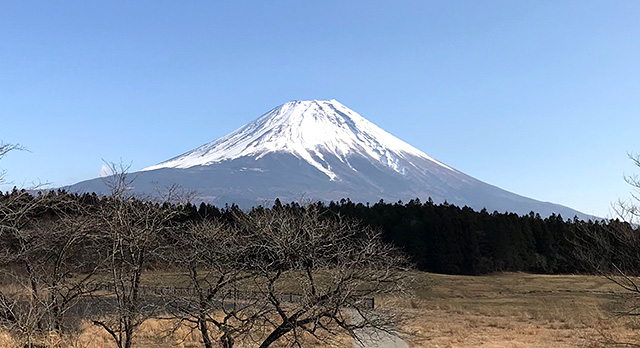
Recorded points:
322,150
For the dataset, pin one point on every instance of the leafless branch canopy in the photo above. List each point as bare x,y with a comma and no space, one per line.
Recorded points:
286,275
5,148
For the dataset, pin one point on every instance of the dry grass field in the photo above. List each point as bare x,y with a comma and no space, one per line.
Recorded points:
501,310
518,310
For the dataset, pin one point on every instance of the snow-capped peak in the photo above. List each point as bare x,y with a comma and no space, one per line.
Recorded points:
309,130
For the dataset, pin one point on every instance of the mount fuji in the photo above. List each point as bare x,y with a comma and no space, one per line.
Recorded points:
321,150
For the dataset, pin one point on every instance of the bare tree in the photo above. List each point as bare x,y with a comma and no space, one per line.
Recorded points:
211,252
283,274
65,255
317,274
629,210
48,258
5,148
612,249
133,228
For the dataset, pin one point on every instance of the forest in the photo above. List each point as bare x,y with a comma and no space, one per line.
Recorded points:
444,238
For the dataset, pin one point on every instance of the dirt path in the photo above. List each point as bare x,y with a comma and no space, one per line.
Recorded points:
372,338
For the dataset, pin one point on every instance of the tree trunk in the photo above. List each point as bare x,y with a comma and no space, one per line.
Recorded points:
276,334
204,330
128,340
226,340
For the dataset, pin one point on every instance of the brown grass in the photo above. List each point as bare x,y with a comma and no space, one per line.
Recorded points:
157,333
501,310
516,310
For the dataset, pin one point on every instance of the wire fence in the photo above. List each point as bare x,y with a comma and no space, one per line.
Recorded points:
234,295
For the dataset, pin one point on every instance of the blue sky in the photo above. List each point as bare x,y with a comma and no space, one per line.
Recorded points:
541,98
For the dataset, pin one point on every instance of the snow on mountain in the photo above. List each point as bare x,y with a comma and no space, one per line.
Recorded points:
309,130
321,150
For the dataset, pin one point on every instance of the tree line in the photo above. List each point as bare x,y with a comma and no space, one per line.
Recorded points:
440,238
444,238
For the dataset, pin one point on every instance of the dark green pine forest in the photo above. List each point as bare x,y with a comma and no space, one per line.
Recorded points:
444,238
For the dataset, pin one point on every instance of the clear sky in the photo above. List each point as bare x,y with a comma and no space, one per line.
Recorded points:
541,98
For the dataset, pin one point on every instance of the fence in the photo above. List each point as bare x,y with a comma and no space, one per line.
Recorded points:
229,296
